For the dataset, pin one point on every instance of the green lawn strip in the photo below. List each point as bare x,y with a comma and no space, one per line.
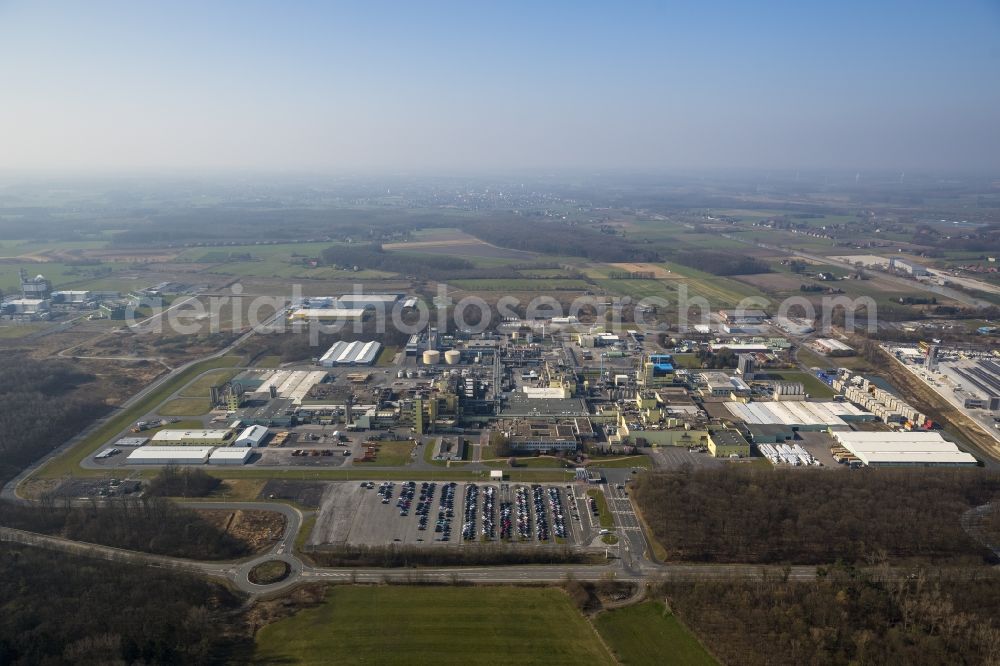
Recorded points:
452,625
69,462
604,516
647,634
641,460
308,522
361,474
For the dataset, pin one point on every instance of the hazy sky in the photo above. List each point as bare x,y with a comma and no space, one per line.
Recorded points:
452,86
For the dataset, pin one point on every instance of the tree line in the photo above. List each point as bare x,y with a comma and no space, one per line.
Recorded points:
150,524
845,617
44,403
58,608
812,516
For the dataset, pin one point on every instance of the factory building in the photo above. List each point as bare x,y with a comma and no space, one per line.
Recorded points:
907,266
27,306
656,370
252,436
71,297
786,391
743,317
217,437
170,455
793,325
807,416
365,301
831,347
327,315
230,456
37,287
721,385
351,353
531,436
728,443
903,449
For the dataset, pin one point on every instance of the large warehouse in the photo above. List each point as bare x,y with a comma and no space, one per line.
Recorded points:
327,315
230,456
799,415
170,455
291,384
896,449
252,436
192,437
351,353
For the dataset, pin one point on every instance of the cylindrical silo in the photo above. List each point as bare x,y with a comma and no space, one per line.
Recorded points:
452,357
432,357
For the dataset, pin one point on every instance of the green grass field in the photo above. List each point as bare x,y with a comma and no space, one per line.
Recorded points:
434,625
523,284
199,388
391,454
646,634
185,407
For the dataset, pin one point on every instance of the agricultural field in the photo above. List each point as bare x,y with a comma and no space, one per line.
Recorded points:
440,625
649,634
455,243
522,284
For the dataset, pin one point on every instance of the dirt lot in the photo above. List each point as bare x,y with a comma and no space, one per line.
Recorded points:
260,529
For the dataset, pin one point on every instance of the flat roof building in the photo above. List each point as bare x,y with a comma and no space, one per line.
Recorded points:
170,455
904,449
234,455
192,437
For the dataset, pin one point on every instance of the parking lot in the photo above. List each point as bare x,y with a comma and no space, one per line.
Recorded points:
453,514
675,457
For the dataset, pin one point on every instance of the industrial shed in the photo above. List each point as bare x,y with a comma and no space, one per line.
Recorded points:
351,353
799,415
252,436
218,437
904,449
170,455
236,455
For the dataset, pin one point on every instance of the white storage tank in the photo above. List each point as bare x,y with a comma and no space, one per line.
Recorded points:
432,357
452,357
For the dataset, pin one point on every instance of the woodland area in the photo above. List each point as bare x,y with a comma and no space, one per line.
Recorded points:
815,516
844,618
151,525
57,609
44,404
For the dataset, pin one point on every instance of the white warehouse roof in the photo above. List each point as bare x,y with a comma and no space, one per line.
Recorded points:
230,456
252,436
351,353
794,413
163,455
182,435
903,448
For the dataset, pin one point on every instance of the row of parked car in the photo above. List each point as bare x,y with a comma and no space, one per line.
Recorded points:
523,513
471,504
541,519
446,511
424,503
558,520
489,512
